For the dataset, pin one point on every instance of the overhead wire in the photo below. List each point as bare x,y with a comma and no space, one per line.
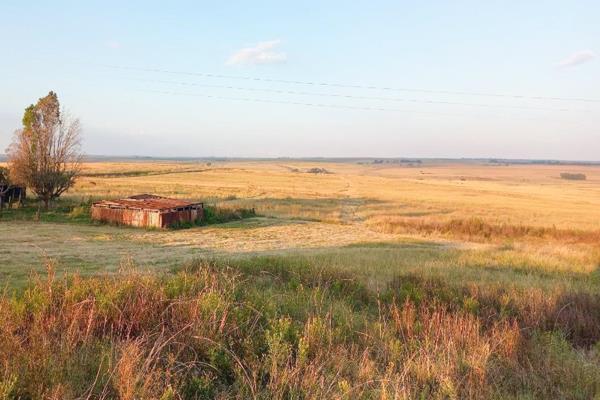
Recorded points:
318,105
347,96
351,86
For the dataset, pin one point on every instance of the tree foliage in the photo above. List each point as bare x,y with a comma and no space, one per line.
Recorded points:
45,153
4,177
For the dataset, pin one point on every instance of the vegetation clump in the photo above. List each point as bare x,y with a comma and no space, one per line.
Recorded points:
67,210
572,176
270,330
317,170
478,229
218,215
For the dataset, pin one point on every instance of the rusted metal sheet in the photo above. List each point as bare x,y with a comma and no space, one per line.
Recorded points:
157,204
145,196
171,218
147,211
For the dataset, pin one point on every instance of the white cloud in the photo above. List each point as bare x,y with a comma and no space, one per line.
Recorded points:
112,44
578,58
262,53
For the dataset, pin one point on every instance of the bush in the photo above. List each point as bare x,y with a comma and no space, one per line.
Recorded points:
317,171
572,176
219,215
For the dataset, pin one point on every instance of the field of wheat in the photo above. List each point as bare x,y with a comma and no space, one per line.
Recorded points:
435,280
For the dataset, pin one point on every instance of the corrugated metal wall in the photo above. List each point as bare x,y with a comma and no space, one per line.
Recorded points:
171,218
144,218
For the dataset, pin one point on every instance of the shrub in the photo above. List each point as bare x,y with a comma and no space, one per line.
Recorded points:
572,176
317,170
219,215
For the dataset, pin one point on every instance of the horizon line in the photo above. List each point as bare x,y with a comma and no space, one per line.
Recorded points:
91,157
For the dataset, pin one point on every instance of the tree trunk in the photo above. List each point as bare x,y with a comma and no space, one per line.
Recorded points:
46,203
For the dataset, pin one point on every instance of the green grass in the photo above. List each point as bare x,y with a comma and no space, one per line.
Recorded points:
70,211
292,327
97,248
217,215
73,210
379,263
221,215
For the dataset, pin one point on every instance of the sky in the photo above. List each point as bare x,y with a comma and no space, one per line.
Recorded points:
503,79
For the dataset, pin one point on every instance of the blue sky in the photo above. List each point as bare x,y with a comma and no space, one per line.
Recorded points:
98,55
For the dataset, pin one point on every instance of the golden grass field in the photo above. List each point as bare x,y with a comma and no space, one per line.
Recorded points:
442,280
351,204
531,195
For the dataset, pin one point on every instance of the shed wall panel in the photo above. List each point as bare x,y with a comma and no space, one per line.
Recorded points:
173,217
145,218
139,218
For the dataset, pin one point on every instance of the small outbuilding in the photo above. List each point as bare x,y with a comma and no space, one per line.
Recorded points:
148,211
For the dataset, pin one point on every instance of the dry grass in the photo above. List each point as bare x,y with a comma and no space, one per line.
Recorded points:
260,331
439,281
526,195
477,229
518,210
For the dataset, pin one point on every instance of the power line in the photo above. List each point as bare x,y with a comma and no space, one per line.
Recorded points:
394,99
319,105
250,99
341,85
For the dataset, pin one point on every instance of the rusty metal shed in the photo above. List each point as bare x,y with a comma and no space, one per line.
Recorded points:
146,210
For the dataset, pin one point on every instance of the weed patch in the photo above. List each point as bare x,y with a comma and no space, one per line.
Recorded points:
210,330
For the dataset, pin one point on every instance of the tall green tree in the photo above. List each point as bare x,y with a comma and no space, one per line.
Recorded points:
45,154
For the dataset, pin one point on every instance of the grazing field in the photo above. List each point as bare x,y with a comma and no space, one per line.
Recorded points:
437,280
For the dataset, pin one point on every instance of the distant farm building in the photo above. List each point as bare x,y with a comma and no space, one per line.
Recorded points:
146,210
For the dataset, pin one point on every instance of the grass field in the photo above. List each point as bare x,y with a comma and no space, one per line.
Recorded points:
441,280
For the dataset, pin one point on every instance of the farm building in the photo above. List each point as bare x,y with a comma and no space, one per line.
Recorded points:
146,210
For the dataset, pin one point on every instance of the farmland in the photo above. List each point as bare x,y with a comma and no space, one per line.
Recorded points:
441,279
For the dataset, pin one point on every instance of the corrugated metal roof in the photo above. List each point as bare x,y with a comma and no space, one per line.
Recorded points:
145,196
146,202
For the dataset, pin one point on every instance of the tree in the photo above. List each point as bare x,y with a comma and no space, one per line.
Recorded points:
45,154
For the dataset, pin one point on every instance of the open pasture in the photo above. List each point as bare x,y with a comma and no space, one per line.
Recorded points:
516,194
441,280
520,209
